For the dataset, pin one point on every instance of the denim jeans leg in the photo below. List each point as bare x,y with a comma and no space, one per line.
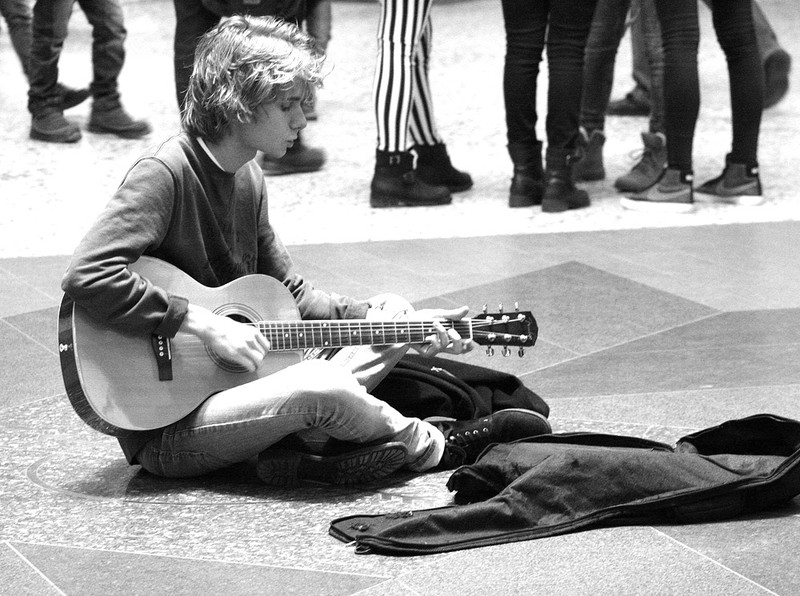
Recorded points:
50,22
568,30
108,49
525,26
654,54
608,27
18,17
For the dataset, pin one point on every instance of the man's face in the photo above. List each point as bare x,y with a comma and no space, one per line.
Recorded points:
277,123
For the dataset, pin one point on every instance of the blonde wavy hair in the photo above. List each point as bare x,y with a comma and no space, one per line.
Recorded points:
242,63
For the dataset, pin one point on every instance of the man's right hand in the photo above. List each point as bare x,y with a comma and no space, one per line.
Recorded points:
232,341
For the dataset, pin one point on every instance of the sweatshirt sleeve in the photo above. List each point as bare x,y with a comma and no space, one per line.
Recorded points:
274,260
134,222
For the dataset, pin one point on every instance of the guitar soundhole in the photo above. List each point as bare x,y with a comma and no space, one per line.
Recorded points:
234,312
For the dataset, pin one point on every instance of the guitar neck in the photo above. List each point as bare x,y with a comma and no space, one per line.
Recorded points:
299,335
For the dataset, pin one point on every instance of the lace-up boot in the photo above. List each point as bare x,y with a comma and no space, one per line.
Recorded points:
465,440
560,193
649,167
590,166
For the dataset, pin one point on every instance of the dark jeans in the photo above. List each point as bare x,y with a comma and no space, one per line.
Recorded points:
527,31
608,28
733,24
50,24
17,14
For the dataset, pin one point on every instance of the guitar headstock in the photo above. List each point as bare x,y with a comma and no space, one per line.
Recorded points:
504,330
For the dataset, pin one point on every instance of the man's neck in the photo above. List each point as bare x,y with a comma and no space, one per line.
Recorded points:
229,155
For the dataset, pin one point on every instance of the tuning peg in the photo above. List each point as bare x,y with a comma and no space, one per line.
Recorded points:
500,308
516,306
506,351
521,352
485,309
489,351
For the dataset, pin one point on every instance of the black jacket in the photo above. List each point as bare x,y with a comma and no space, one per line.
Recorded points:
554,484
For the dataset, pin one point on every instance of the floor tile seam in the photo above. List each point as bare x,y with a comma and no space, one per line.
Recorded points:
394,583
33,401
28,336
713,561
193,559
579,355
26,283
38,571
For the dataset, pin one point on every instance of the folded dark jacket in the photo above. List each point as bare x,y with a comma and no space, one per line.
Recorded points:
554,484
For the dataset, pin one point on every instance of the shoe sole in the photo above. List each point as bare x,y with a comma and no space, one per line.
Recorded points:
732,199
656,206
123,134
384,201
56,138
538,415
285,469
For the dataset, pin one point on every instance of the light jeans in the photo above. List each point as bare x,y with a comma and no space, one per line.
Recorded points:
316,399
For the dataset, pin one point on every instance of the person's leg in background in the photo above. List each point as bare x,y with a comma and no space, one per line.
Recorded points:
568,29
608,27
776,61
433,161
653,159
395,182
108,56
525,27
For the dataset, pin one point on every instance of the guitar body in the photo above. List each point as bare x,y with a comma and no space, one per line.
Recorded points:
112,377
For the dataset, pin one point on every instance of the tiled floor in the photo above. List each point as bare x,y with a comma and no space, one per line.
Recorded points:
648,328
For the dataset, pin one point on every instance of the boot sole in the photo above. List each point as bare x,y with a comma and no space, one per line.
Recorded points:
56,138
285,469
123,134
383,201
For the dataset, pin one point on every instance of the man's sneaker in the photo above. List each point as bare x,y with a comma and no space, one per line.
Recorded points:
116,121
357,465
776,77
650,166
54,128
671,194
738,184
590,166
299,159
465,440
635,103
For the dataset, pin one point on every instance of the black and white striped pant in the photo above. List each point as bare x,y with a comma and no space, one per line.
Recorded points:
402,95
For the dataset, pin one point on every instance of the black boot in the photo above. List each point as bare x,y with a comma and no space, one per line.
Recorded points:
465,440
527,185
434,167
396,184
561,194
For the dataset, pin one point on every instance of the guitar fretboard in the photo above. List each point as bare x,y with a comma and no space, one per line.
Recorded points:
299,335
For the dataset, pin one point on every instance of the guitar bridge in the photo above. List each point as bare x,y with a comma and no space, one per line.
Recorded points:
163,353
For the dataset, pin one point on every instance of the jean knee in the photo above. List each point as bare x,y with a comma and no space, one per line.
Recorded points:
390,305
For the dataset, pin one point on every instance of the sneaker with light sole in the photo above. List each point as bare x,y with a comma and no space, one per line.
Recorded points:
738,184
671,194
286,468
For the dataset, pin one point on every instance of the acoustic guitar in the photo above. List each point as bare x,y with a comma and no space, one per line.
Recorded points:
120,382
